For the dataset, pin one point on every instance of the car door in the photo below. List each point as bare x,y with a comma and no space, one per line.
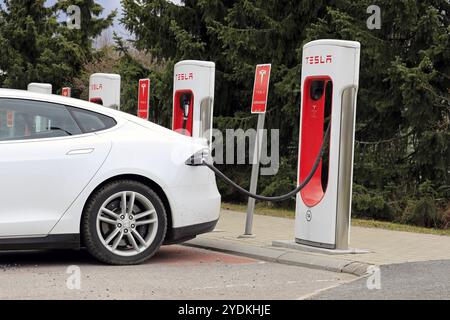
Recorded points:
45,162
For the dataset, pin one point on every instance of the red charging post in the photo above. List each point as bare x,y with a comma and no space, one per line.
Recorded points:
259,106
315,98
66,92
144,99
183,120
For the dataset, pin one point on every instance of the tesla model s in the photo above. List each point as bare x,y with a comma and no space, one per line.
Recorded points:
75,174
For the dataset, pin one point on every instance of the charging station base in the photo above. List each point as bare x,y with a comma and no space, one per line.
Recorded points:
247,236
289,244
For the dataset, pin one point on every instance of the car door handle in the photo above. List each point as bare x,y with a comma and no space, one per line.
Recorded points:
75,152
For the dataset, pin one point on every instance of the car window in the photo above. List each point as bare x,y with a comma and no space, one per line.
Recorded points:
29,119
91,121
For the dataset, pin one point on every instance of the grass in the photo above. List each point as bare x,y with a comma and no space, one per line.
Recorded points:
261,210
286,213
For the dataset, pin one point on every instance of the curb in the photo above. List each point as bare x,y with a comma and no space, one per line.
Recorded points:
284,256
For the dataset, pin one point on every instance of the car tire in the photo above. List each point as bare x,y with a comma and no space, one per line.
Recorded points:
105,215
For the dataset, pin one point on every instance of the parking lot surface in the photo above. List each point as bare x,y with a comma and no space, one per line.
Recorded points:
176,272
406,281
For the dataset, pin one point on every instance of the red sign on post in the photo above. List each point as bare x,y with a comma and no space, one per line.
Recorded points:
144,98
66,92
261,88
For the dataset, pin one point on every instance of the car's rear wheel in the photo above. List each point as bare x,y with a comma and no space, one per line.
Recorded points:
124,222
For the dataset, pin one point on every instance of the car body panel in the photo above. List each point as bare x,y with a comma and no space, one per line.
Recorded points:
40,179
191,191
65,183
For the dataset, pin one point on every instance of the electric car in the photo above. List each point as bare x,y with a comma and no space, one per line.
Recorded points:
76,174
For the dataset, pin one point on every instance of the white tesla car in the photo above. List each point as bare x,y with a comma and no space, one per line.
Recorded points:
75,174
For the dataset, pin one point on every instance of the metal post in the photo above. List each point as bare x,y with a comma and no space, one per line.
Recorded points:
255,174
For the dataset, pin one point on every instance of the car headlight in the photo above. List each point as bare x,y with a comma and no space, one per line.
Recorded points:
199,157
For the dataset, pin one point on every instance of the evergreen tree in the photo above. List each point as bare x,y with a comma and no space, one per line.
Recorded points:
36,47
236,35
92,25
402,157
403,128
131,70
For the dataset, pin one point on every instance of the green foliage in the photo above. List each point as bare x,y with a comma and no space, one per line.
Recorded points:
91,24
129,70
402,154
370,204
424,212
36,47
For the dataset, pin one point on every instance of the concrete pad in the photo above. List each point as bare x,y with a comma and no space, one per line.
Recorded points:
385,246
301,247
247,236
313,261
283,255
263,253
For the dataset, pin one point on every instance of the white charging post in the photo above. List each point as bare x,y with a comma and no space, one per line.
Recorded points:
104,89
193,99
330,75
45,88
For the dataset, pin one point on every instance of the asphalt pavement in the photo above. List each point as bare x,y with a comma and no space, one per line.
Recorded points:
406,281
176,272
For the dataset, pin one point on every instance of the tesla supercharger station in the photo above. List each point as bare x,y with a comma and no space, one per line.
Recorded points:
193,98
330,72
66,92
104,89
45,88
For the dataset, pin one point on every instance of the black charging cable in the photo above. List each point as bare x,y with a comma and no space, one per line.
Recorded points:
287,196
185,106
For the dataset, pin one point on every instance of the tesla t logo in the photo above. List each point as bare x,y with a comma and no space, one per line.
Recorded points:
184,76
314,110
96,87
143,86
319,59
262,73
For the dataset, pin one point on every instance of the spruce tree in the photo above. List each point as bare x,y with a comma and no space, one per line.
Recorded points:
403,128
36,46
402,156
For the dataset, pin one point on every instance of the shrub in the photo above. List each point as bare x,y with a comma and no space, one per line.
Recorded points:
370,205
423,210
422,213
